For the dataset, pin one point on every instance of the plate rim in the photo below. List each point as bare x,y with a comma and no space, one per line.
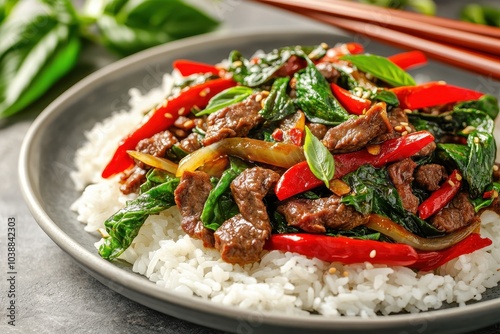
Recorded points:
102,269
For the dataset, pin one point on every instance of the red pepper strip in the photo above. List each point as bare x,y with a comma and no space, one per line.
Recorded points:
343,249
188,67
299,178
352,103
163,118
433,94
428,261
441,197
409,60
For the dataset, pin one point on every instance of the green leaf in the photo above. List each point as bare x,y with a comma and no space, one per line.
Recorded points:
124,225
319,159
226,98
480,202
131,26
381,68
487,103
315,98
278,104
34,53
386,96
6,7
476,13
427,7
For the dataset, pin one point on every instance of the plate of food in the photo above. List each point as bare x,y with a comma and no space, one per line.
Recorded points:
278,181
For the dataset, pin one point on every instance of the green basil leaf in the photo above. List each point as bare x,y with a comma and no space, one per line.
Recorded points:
487,103
319,159
480,202
6,7
486,15
386,96
34,54
315,98
131,26
278,104
226,98
381,68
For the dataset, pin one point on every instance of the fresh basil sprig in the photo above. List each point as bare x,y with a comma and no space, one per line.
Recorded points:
226,98
318,158
381,68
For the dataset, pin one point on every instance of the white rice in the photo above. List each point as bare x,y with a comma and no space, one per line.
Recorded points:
280,282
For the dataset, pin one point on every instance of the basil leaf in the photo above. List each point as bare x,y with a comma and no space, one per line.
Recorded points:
481,203
487,103
486,15
386,96
315,98
34,53
131,26
319,159
381,68
226,98
6,7
278,104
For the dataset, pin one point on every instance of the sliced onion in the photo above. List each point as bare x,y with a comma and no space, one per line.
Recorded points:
276,154
153,161
399,234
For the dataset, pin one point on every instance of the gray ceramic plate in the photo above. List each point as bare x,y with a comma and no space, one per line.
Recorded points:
47,159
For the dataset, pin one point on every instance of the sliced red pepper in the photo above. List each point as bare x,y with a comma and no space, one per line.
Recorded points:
428,261
164,117
299,178
188,67
296,135
433,94
441,197
334,53
343,249
409,60
352,103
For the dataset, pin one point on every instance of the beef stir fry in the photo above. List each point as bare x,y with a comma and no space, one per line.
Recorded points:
307,148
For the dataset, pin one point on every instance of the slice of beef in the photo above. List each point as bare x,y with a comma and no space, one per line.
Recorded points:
132,179
315,215
401,175
399,122
157,145
355,133
328,71
458,214
427,150
191,143
241,239
430,176
234,121
190,196
318,130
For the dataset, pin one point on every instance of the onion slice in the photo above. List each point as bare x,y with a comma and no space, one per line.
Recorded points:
399,234
276,154
153,161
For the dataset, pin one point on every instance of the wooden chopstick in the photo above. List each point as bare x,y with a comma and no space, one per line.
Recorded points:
392,19
475,61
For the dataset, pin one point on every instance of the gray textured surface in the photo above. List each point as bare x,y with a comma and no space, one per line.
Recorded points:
54,295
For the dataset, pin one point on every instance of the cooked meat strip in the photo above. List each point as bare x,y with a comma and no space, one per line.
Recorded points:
315,215
156,145
190,196
318,130
459,213
132,179
355,133
239,241
399,122
328,71
401,175
429,177
427,149
234,121
242,238
292,65
191,143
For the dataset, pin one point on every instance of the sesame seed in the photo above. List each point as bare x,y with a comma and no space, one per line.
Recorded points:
237,63
345,274
468,129
403,123
189,124
476,140
451,183
181,111
332,270
180,133
448,117
168,115
398,128
495,168
324,45
459,177
495,194
258,98
408,128
373,253
408,111
205,92
404,133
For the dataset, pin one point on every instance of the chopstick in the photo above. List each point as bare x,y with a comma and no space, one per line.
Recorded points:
345,16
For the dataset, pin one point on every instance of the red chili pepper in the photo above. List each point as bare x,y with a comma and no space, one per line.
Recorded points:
277,134
409,60
188,67
441,197
300,178
433,94
164,117
352,103
431,260
343,249
296,135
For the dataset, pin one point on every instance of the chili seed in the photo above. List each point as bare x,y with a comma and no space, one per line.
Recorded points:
373,253
373,149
